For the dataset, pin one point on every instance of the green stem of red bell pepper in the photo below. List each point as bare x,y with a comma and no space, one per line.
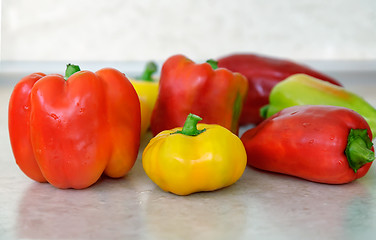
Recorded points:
150,69
264,111
190,126
213,63
358,150
71,69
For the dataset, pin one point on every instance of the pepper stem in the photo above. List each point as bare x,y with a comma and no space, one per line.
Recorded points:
150,69
358,150
264,111
190,126
213,63
71,69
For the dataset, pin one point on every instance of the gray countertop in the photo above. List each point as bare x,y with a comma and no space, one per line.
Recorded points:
260,205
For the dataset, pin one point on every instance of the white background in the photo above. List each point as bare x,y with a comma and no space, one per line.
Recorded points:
126,30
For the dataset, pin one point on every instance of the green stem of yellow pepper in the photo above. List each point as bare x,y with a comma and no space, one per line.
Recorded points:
71,69
150,69
190,126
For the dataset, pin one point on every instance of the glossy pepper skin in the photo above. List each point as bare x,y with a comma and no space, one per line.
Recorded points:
185,87
263,73
147,90
301,89
70,132
326,144
194,158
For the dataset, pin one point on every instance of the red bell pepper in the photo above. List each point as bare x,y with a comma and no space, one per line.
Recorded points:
263,73
69,132
186,87
326,144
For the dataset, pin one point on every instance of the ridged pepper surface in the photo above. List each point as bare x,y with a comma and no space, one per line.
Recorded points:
195,158
185,87
70,132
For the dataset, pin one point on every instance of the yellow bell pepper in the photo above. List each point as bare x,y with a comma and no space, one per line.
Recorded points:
146,112
147,91
195,158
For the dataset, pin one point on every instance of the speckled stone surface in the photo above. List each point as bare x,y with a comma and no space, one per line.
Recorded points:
260,205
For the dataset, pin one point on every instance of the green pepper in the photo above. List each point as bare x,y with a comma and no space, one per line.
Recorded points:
301,89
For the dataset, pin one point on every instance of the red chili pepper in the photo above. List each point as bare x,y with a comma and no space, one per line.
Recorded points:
186,87
263,73
70,132
326,144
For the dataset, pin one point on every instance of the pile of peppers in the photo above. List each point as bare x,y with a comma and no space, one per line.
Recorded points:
71,130
263,73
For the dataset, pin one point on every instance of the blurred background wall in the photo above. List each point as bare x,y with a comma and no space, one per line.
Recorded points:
133,30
